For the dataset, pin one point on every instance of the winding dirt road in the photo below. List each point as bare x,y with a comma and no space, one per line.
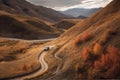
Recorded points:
60,63
43,69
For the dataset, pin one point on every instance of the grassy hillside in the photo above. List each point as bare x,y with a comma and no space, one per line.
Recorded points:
20,55
90,49
18,26
23,7
67,23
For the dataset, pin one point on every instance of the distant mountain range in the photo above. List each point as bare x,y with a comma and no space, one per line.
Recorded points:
76,12
23,7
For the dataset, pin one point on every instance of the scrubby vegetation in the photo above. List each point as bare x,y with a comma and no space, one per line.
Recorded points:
24,67
8,43
107,35
98,49
82,38
86,36
86,53
11,49
99,61
109,63
106,65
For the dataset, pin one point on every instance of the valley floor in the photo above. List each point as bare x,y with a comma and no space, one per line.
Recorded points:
22,57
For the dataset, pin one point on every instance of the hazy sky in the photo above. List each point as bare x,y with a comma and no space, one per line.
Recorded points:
67,4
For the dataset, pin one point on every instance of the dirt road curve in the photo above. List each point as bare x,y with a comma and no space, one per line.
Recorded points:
43,69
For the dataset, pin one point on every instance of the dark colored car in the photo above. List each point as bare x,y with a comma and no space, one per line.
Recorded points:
46,48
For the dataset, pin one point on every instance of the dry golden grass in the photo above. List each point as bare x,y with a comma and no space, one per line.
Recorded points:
15,49
77,40
25,61
97,24
107,65
107,35
11,48
79,70
104,37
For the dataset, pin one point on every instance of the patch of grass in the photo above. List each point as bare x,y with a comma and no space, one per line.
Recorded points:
22,50
79,70
8,43
107,35
8,58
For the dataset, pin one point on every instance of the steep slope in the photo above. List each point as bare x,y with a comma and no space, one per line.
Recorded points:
16,26
81,11
25,8
91,49
66,23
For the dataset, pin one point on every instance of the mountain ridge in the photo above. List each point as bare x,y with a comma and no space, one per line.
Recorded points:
76,12
26,8
25,27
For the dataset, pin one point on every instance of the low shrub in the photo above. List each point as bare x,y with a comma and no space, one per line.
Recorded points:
109,63
31,66
107,35
86,36
24,67
82,38
77,40
85,53
79,70
97,49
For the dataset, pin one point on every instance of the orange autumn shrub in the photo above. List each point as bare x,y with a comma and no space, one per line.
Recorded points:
97,49
85,53
77,40
82,38
31,66
110,62
114,53
112,49
86,36
104,63
24,67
